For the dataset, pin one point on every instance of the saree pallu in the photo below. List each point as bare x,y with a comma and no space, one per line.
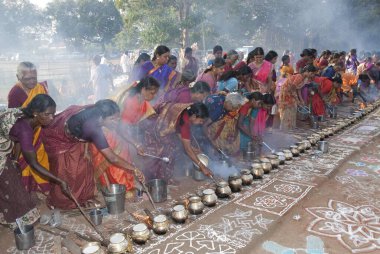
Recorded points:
31,179
67,158
161,139
261,75
165,75
244,139
225,135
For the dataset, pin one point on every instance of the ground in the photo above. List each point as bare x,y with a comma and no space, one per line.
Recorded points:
315,204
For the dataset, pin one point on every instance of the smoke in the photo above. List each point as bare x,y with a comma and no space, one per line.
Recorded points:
222,170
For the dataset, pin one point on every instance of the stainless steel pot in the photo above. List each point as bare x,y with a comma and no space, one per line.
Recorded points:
281,157
235,183
118,243
160,224
195,205
140,233
158,189
246,177
288,154
294,150
209,198
179,214
323,146
223,190
267,167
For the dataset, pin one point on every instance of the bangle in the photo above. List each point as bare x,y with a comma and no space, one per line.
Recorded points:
199,163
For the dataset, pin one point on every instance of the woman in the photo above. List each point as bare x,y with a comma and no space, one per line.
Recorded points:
212,73
20,96
246,121
136,107
236,80
271,57
163,133
66,141
222,130
197,92
140,61
17,128
262,71
290,96
159,69
230,58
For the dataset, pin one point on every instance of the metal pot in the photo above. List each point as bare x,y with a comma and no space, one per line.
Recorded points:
160,224
323,146
92,248
179,214
307,144
197,173
257,173
158,189
140,233
223,190
316,136
267,167
312,141
246,177
314,122
301,146
195,205
209,198
263,159
294,150
26,240
281,158
118,243
235,183
274,160
288,155
256,165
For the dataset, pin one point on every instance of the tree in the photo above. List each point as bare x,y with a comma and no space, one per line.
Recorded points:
80,22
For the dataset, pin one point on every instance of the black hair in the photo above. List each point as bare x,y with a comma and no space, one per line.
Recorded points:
96,59
257,96
142,57
244,70
200,87
188,50
227,75
198,109
308,68
102,108
232,52
269,99
250,57
216,49
40,103
172,58
160,50
218,62
147,83
258,51
363,77
270,55
337,78
285,57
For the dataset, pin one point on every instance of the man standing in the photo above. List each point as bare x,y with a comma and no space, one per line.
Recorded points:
101,79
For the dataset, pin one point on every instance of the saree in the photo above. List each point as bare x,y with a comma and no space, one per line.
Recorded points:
160,138
165,75
288,101
244,139
68,161
15,201
225,134
176,95
31,179
262,75
133,112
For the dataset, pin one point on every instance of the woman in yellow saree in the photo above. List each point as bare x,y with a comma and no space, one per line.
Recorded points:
21,95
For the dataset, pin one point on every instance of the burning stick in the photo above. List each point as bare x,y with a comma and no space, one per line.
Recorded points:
267,146
144,219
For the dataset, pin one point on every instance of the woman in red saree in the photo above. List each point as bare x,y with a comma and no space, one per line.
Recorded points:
166,132
66,141
135,108
21,95
262,71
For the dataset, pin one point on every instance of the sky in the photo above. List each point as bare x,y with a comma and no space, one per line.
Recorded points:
41,3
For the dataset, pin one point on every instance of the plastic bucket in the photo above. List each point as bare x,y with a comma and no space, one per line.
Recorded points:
25,241
158,189
114,198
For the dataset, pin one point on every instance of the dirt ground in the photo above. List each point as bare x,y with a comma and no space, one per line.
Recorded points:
315,204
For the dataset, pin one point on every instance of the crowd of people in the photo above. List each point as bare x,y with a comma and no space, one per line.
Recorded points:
162,112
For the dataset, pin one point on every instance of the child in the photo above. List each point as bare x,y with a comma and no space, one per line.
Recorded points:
286,69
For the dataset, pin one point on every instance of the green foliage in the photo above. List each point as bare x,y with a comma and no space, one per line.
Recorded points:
86,21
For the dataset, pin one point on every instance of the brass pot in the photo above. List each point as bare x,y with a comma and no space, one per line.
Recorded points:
160,224
257,173
246,177
140,233
209,198
307,144
267,167
179,214
235,183
118,243
256,165
301,146
294,150
92,248
274,160
288,155
195,205
316,136
223,190
264,159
